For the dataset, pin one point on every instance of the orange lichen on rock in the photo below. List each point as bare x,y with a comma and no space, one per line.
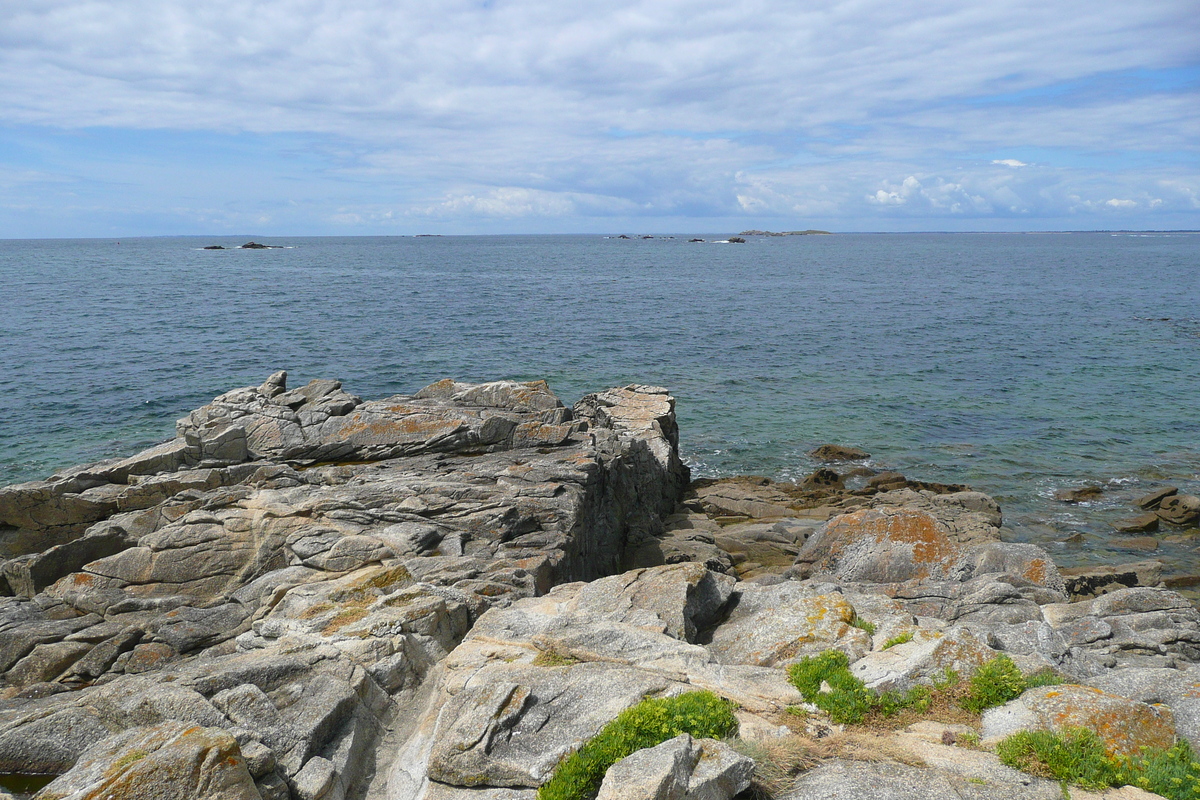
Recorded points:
1037,571
408,428
882,546
1125,725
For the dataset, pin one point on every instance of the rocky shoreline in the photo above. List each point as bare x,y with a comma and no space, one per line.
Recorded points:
442,595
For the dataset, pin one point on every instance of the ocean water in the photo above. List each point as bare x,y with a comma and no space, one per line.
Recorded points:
1019,364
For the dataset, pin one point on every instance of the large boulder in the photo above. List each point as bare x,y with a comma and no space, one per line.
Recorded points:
1125,725
170,761
1178,690
514,725
1179,509
776,625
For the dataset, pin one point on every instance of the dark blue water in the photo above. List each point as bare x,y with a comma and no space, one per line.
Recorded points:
1020,364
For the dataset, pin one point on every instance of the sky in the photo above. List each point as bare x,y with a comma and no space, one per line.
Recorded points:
395,117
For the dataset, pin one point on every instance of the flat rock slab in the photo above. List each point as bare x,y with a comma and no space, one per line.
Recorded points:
855,780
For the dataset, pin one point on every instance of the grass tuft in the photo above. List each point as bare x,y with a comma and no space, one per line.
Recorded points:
778,761
999,680
1078,756
900,638
553,658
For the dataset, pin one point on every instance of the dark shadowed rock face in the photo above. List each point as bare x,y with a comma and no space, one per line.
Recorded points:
286,572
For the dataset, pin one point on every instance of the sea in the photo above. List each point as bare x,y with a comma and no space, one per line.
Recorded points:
1020,364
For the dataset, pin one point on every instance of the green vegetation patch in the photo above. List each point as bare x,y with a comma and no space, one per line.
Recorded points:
860,623
1076,756
999,680
900,638
848,701
1079,756
651,722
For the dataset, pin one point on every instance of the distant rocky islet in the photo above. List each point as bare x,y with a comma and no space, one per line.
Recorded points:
440,595
246,246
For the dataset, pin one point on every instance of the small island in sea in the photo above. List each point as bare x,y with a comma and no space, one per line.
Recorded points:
476,591
786,233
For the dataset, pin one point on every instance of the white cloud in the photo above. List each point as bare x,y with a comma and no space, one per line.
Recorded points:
1115,203
526,109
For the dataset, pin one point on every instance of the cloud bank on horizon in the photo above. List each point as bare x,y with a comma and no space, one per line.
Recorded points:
393,116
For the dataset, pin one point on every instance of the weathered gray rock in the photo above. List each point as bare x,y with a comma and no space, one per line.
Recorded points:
1142,523
923,659
855,780
1178,690
514,724
776,625
1086,582
1082,494
1125,725
171,761
679,768
387,598
300,609
837,452
1134,627
911,537
1153,499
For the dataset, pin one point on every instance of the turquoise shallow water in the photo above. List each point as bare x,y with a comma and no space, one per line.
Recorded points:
1020,364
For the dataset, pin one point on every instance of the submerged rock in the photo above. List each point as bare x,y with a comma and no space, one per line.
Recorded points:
837,452
1179,509
1084,494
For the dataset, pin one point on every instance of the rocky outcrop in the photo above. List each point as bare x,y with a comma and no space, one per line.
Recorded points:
288,571
439,596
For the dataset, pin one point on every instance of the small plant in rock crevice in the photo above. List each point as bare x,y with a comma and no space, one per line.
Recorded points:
553,658
900,638
858,622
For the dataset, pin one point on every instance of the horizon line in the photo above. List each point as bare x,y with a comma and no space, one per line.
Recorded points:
579,233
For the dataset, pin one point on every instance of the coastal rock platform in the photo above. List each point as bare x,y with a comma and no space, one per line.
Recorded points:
444,594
